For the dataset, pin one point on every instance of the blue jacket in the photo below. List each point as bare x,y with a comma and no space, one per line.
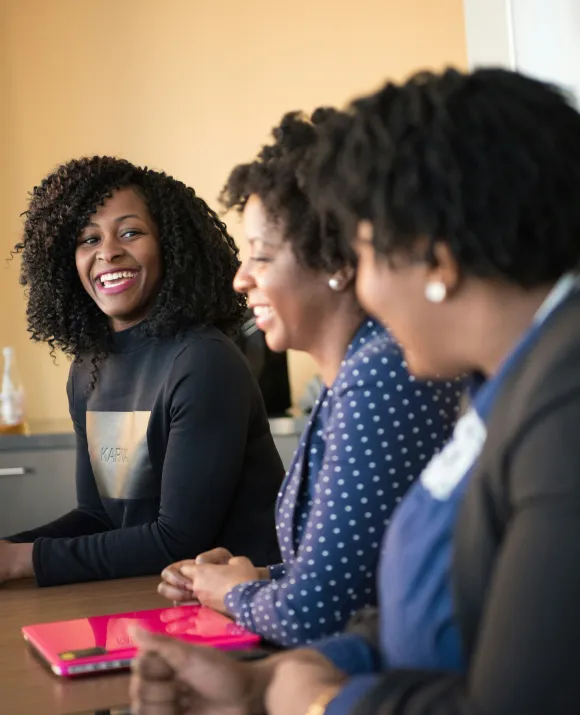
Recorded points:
368,438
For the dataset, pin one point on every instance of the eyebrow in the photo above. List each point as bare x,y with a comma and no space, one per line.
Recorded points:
118,219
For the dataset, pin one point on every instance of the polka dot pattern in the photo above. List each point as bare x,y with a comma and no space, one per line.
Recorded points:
369,436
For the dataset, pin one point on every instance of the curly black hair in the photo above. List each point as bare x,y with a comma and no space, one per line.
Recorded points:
273,176
199,257
488,162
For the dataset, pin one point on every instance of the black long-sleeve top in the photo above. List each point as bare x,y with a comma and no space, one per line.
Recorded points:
174,457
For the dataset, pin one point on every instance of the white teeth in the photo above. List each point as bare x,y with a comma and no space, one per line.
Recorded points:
262,311
108,277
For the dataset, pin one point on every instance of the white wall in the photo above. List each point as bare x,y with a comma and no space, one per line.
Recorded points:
488,33
537,37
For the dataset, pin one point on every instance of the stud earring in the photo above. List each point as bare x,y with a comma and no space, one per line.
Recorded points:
435,292
334,284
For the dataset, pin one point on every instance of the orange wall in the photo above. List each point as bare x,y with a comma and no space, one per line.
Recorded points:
188,86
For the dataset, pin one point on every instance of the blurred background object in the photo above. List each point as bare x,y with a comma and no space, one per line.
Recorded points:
535,37
12,416
270,369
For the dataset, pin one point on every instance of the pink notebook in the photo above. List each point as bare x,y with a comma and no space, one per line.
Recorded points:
102,643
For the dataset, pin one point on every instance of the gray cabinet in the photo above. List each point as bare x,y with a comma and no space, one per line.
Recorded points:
286,446
286,432
36,486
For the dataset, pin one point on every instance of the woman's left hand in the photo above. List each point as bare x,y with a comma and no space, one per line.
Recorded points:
297,683
15,561
211,582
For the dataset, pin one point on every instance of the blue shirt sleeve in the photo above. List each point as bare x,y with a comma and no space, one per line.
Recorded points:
350,653
381,430
352,693
277,571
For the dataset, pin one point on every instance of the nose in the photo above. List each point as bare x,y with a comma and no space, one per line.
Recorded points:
244,280
110,248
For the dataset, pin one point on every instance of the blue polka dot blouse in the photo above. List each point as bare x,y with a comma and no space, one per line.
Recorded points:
369,436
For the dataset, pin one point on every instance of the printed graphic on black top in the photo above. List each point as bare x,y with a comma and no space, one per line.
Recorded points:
119,454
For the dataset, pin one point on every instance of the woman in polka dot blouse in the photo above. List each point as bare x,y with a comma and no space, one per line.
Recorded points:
372,431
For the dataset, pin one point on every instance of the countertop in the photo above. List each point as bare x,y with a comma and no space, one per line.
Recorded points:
58,434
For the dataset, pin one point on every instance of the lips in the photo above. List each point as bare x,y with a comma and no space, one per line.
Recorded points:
118,281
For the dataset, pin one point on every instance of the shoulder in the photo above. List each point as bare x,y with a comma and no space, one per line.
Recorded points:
371,360
377,373
208,342
206,353
553,363
380,363
546,377
532,446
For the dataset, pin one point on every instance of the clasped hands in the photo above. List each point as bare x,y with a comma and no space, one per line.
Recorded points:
209,578
177,678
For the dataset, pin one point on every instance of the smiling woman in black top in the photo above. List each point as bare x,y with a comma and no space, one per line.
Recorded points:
130,273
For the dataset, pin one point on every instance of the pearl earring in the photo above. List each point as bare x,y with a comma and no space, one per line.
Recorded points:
436,292
334,284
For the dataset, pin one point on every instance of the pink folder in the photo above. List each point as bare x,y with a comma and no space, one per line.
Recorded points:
102,643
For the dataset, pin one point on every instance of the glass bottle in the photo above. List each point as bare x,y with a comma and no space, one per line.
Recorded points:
12,417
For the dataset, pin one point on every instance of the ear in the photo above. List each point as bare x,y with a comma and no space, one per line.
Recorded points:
365,231
343,278
446,269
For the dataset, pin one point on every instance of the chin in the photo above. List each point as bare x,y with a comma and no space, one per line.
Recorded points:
276,343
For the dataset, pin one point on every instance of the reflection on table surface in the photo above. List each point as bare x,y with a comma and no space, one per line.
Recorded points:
110,711
26,686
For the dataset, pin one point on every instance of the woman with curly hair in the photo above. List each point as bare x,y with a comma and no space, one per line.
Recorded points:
370,434
130,273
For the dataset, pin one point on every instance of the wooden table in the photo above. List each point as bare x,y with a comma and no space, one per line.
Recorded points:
26,686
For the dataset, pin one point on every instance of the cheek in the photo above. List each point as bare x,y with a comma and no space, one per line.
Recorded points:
262,287
400,314
383,297
280,288
82,263
152,260
416,331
